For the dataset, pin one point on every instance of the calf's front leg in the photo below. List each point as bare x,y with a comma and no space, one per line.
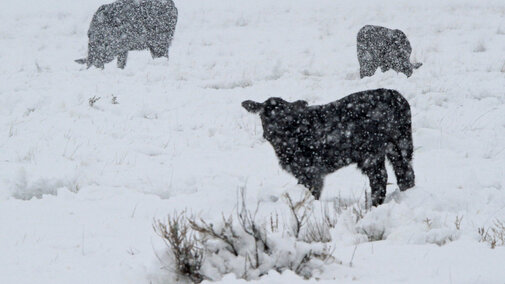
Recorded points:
313,183
317,188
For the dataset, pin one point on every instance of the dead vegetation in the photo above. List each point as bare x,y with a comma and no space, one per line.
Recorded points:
93,100
493,235
196,246
185,248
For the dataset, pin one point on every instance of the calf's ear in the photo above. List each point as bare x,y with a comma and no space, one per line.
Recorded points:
417,65
252,106
301,103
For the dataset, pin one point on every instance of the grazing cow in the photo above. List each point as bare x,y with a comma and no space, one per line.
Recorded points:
362,128
384,48
126,25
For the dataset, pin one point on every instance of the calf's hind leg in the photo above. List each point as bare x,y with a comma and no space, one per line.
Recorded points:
403,169
378,177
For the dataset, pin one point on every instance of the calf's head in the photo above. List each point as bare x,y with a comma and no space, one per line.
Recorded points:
400,54
278,117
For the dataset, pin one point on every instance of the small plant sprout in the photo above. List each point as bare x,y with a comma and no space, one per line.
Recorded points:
428,223
114,100
457,222
93,100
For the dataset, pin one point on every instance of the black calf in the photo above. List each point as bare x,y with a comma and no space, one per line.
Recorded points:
362,128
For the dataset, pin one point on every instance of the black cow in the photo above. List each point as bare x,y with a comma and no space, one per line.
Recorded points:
126,25
384,48
362,128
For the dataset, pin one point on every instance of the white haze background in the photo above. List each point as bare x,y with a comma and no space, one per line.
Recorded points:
80,185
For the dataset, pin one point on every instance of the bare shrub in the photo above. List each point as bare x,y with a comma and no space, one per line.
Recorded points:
247,221
330,218
246,245
299,211
316,231
340,205
457,222
372,235
441,240
184,247
114,100
494,235
274,223
303,267
360,210
226,233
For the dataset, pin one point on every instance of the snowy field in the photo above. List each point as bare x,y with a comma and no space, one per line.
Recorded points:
80,186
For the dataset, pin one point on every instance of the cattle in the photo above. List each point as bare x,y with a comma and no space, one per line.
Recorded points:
362,128
127,25
385,48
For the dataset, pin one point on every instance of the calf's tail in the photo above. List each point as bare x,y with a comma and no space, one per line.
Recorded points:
401,148
404,141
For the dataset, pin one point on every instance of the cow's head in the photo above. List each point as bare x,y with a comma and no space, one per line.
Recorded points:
278,117
104,39
99,53
400,54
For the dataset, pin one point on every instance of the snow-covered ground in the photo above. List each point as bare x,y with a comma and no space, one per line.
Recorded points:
80,186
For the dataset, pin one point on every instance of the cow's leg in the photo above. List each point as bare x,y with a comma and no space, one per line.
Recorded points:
366,59
314,183
385,67
378,176
317,187
158,48
367,68
157,51
121,59
403,169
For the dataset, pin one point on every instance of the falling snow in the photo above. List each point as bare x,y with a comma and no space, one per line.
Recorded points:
80,184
